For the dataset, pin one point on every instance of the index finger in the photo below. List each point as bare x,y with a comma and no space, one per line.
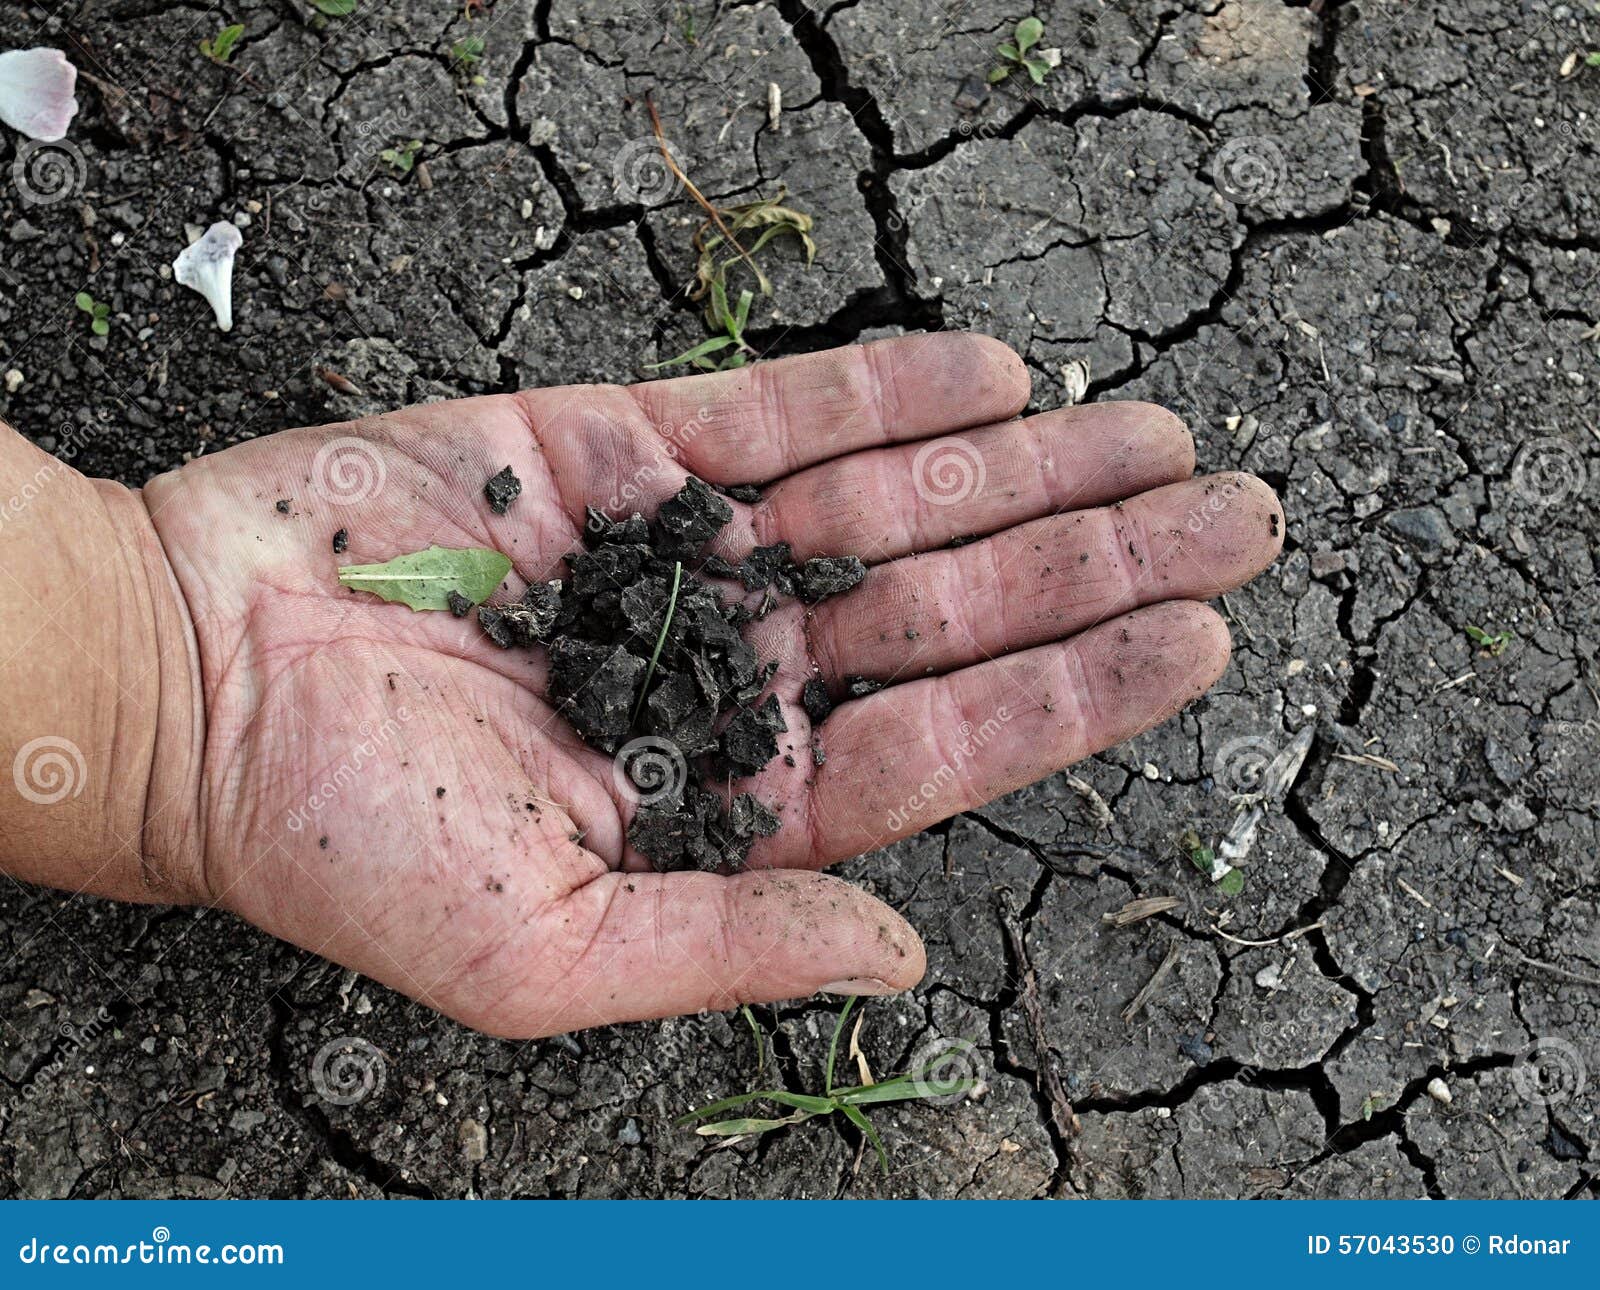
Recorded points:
754,424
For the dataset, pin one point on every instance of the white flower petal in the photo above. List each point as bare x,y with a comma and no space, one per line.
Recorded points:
36,92
206,266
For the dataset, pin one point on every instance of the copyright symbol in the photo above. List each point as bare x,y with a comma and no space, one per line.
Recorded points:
1470,1244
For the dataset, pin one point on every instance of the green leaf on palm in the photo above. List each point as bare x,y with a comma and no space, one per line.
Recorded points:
425,579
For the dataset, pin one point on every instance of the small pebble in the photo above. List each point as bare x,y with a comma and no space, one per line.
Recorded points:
1439,1091
1150,771
629,1135
474,1139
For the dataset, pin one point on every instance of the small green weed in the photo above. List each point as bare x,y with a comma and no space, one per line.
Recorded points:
767,218
912,1086
219,48
1017,57
465,55
719,232
1491,643
99,314
1204,858
730,324
402,157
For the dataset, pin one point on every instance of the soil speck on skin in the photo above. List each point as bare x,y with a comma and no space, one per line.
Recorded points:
829,576
501,490
815,700
341,540
281,506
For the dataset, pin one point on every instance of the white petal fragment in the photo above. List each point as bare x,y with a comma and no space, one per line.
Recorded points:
206,266
36,92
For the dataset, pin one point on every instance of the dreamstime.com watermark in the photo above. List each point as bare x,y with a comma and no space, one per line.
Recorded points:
348,471
1248,168
1216,502
650,770
1240,763
160,1250
1549,1071
349,1069
972,742
45,173
373,741
70,439
948,471
641,175
674,441
49,769
77,1038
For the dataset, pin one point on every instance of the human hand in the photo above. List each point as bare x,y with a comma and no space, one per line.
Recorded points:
389,789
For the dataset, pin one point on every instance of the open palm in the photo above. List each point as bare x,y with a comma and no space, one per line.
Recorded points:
389,788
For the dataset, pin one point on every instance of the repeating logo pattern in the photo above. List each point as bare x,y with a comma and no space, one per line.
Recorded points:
348,1070
46,173
49,769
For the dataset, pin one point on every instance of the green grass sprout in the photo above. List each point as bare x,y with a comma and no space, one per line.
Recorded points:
655,654
219,48
914,1085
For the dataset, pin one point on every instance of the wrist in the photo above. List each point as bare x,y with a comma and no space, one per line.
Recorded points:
102,731
171,833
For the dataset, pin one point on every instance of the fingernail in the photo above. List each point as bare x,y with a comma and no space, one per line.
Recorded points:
858,985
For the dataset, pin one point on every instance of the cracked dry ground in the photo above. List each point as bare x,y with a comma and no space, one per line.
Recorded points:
1382,300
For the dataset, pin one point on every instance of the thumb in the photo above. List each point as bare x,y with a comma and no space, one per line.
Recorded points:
657,945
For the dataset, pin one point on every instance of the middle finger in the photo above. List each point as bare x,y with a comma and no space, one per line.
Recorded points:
1048,579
